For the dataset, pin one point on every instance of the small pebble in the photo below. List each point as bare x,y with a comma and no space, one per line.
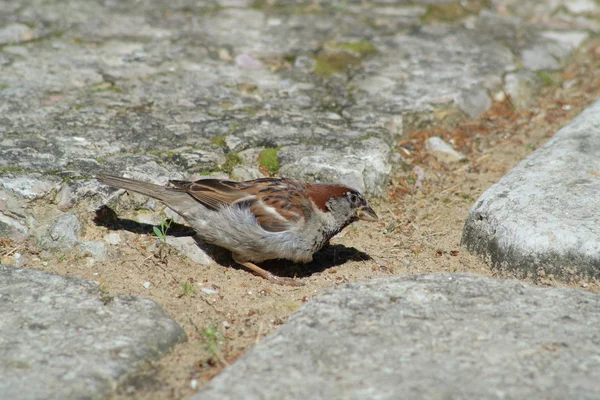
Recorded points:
208,290
226,324
147,285
194,384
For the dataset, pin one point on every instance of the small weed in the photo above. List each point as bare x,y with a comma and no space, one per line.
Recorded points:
188,288
269,161
213,340
161,233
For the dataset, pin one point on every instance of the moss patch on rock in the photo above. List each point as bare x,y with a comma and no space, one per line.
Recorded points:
269,161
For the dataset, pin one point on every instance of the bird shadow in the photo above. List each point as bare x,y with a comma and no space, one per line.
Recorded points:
108,218
328,257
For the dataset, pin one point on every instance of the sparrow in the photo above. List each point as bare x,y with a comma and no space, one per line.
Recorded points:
261,219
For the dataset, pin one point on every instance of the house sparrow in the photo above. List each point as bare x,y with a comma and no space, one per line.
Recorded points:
261,219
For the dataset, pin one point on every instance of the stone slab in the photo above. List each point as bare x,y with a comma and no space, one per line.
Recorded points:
438,336
544,215
63,338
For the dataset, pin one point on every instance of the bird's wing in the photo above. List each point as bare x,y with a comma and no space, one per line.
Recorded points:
275,202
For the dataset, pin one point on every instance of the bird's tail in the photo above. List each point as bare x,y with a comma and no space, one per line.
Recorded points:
165,194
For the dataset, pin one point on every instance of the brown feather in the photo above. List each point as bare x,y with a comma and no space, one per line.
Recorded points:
284,195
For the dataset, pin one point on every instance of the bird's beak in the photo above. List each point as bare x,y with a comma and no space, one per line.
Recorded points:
366,213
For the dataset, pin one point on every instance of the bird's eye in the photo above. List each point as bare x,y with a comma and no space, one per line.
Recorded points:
353,198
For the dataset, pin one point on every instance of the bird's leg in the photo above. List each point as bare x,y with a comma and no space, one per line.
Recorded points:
266,274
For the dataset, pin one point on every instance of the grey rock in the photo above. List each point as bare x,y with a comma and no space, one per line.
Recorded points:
455,336
62,234
31,186
550,48
570,40
113,238
244,173
442,151
96,250
582,6
11,228
63,338
538,58
190,248
542,217
474,102
363,166
246,61
15,33
404,75
500,27
522,87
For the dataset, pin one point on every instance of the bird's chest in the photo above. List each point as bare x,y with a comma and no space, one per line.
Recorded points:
324,234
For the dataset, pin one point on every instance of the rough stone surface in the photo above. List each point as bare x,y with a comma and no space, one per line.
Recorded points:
522,87
62,338
543,215
190,248
62,235
454,336
363,166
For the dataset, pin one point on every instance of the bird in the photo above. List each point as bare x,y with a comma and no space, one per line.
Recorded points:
261,219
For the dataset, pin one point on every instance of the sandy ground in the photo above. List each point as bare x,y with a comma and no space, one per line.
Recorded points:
225,310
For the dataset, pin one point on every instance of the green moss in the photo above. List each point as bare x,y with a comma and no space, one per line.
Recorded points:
219,141
328,64
452,11
11,169
338,57
161,154
232,160
363,48
269,160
